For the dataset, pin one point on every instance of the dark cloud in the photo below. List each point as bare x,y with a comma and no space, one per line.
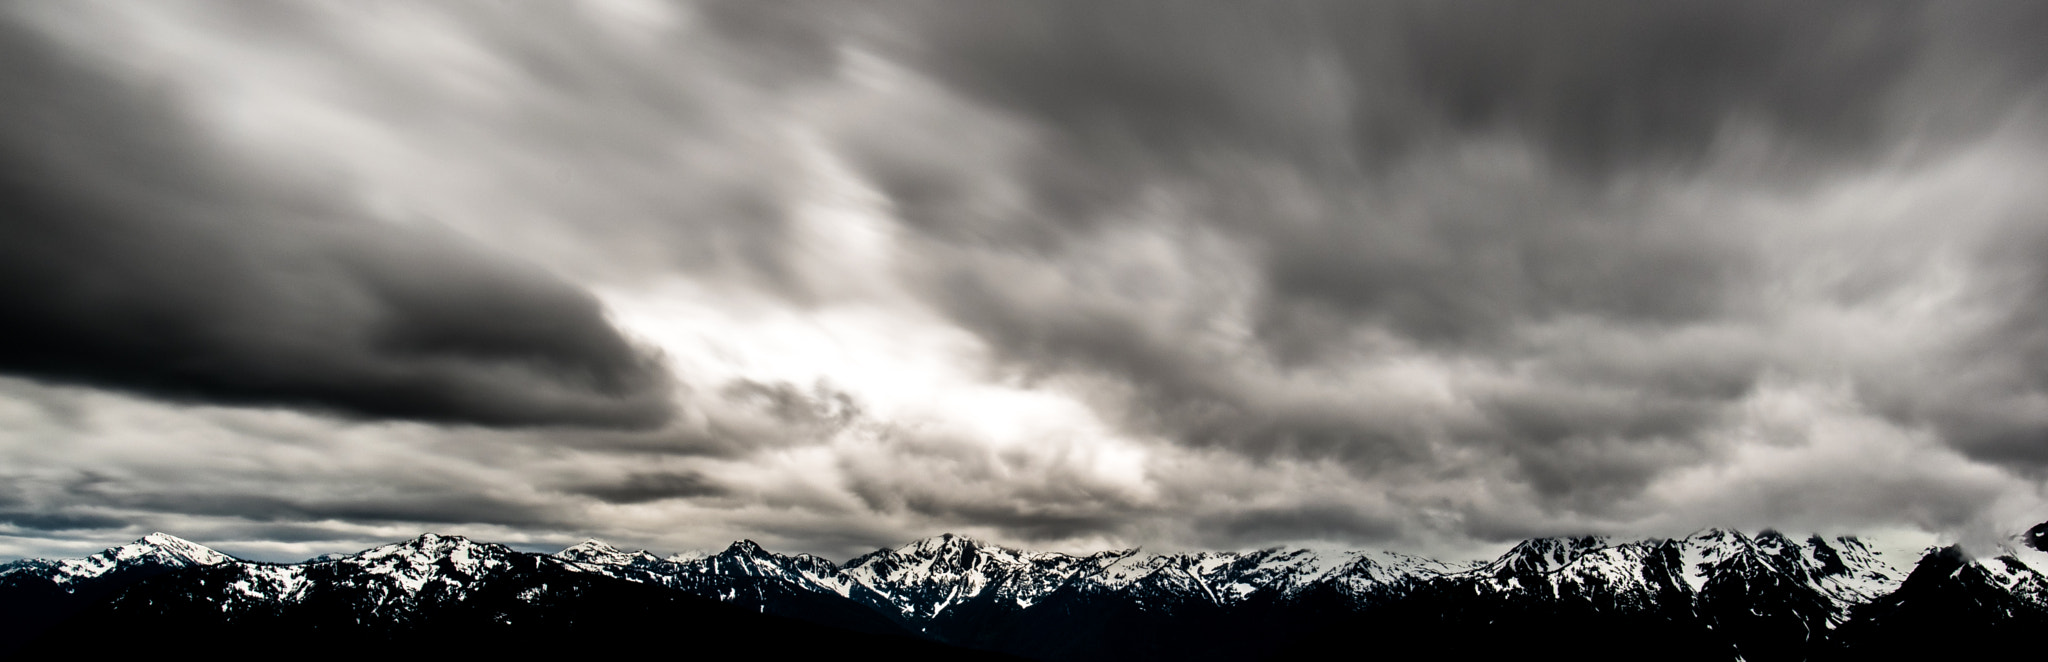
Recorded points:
1596,444
138,258
1596,87
43,521
645,487
1603,87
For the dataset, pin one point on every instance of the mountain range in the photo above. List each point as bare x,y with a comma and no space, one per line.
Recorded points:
1714,595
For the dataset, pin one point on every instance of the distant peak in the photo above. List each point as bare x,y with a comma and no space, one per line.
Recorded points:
592,550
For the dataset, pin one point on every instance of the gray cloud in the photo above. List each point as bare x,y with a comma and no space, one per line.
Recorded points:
1454,182
140,258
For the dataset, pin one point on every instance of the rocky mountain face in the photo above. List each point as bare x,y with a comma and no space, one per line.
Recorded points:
1718,595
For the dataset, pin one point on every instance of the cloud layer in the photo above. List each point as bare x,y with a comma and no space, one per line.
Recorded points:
1429,274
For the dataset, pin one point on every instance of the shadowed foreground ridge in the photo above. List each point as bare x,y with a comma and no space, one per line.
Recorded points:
1714,595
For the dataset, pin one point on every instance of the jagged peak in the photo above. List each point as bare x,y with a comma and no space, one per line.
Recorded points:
943,541
592,545
1115,554
945,545
1556,550
745,548
434,545
812,559
437,541
1716,535
436,538
865,558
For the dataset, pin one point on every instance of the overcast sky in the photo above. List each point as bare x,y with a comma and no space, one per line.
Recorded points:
293,278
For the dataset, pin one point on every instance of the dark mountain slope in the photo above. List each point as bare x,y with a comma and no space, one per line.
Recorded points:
1953,607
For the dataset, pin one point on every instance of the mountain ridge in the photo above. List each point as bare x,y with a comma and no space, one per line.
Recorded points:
1748,596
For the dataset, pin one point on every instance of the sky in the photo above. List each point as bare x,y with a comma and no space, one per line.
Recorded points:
291,278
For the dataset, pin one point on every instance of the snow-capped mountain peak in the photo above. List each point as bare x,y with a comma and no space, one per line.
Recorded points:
590,546
154,552
179,547
746,548
1540,556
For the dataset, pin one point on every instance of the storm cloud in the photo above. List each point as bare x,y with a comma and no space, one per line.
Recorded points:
1078,274
139,258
